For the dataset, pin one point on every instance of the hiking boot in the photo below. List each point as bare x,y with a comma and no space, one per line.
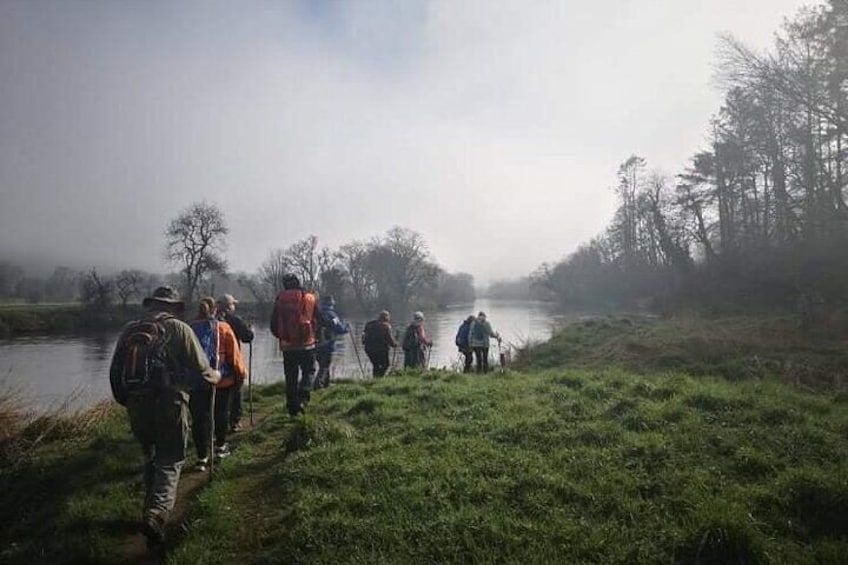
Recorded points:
153,528
201,465
222,451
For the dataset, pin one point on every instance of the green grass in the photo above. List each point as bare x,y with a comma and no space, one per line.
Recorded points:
581,465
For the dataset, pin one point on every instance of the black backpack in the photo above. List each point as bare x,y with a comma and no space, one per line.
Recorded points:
410,338
372,336
140,364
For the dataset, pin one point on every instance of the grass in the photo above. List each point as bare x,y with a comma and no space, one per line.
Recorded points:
734,348
567,465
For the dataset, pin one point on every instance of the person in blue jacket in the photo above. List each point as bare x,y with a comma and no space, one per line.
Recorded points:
327,339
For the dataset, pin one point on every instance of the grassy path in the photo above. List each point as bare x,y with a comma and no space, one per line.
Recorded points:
564,466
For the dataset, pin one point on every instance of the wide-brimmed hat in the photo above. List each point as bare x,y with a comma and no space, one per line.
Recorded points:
418,316
164,295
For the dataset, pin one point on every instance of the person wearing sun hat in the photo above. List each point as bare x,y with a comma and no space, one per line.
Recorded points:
158,412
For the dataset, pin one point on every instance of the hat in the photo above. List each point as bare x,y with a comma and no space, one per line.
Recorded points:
164,295
227,299
418,315
290,281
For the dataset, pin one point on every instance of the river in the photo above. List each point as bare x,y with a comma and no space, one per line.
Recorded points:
72,371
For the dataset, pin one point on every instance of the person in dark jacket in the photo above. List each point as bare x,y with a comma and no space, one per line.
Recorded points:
244,333
327,339
415,341
378,339
463,345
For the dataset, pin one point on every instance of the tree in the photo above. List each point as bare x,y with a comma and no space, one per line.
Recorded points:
96,291
273,269
128,284
399,264
196,240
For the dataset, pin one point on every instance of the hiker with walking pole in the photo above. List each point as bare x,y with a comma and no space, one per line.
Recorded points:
377,339
226,312
150,374
327,340
250,380
415,340
478,340
210,408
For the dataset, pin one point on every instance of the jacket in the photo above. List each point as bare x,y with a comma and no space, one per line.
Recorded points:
295,319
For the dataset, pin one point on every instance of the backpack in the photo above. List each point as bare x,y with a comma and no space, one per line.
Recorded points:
207,334
410,338
372,337
479,332
292,324
140,364
462,334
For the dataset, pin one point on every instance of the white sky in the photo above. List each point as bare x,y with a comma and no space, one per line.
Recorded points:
494,128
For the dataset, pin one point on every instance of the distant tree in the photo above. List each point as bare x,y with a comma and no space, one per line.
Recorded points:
353,261
128,283
273,269
96,291
62,285
196,240
10,276
400,266
303,261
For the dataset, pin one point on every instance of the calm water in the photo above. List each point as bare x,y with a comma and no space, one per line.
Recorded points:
54,371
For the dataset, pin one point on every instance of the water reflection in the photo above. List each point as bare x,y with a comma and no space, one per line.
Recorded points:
48,371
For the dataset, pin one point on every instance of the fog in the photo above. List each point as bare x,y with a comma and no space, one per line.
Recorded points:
492,128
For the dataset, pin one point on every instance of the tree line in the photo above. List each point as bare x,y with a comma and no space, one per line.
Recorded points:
759,216
394,270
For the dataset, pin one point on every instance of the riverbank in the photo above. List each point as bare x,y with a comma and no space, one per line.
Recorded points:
51,319
560,464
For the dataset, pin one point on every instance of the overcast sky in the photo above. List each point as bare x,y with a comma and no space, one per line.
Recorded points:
493,128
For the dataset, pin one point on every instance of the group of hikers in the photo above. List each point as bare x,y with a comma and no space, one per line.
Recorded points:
174,376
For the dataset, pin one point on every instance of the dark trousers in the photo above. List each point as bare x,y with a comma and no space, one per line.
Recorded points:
235,404
299,368
380,360
467,359
481,356
199,405
325,358
413,358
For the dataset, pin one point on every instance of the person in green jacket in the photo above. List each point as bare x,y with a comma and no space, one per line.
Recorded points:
158,407
478,341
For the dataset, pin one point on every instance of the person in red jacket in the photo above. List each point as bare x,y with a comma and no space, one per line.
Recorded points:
294,322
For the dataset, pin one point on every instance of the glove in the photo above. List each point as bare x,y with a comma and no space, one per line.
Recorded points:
211,376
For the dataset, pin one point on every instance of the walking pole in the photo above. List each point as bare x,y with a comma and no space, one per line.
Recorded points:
250,380
429,349
356,350
212,403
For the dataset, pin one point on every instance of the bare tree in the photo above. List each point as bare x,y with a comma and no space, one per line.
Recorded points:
195,240
128,284
96,291
273,269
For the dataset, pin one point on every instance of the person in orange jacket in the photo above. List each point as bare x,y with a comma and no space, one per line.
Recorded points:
222,348
294,322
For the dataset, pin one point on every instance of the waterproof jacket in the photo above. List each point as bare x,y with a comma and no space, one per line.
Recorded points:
230,362
333,327
240,328
295,319
481,331
420,334
378,337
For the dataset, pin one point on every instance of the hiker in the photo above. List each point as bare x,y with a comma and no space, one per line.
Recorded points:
327,339
462,343
222,349
478,341
414,341
377,338
147,376
294,322
244,333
